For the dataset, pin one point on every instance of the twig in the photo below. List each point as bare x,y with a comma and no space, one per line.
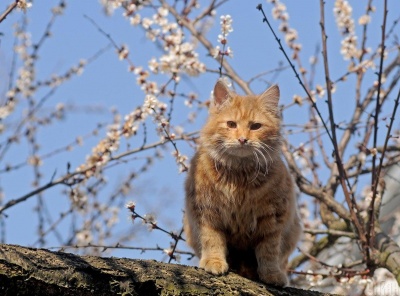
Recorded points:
313,103
383,151
27,118
10,8
364,38
64,179
177,239
316,192
171,101
13,65
359,111
23,198
342,173
277,69
169,138
208,10
112,41
330,232
154,145
338,271
375,172
46,34
313,66
54,225
154,224
391,30
59,150
108,36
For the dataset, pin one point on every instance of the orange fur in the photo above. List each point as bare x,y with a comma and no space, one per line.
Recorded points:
240,201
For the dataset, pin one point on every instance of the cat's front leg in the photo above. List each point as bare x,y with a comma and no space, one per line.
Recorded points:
213,251
269,267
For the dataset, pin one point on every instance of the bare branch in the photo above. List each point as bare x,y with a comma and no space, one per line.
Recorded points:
351,203
9,9
74,177
375,172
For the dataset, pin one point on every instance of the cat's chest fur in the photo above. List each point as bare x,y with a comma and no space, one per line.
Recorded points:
240,214
238,200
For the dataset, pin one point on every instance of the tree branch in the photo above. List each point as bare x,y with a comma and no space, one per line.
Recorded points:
376,172
351,203
64,179
27,271
9,9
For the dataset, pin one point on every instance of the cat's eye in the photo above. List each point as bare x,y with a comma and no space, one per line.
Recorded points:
231,124
255,126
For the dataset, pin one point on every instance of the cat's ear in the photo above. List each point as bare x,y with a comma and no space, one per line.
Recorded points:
270,97
221,93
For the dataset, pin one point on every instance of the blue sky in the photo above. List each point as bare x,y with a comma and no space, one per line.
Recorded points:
107,84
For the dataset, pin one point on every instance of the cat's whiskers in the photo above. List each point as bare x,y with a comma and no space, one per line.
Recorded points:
257,161
220,151
265,148
258,166
262,156
269,147
216,167
265,159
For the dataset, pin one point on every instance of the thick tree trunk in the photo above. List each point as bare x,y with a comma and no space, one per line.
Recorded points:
28,271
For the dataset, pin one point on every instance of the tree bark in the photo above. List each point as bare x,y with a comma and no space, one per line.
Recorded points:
29,271
388,253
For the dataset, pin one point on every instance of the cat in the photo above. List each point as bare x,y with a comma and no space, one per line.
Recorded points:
240,206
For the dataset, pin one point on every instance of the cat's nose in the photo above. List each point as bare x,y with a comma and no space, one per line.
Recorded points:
242,140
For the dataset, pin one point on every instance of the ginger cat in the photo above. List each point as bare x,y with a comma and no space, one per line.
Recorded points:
240,201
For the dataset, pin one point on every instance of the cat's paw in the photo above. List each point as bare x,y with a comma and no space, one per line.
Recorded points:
214,265
276,278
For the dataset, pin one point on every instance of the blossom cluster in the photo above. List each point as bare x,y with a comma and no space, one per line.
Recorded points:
102,152
27,73
171,254
179,55
26,83
148,219
92,232
111,5
226,28
345,22
181,160
279,12
24,5
302,155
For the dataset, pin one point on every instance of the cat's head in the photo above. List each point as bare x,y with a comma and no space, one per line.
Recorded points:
243,126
